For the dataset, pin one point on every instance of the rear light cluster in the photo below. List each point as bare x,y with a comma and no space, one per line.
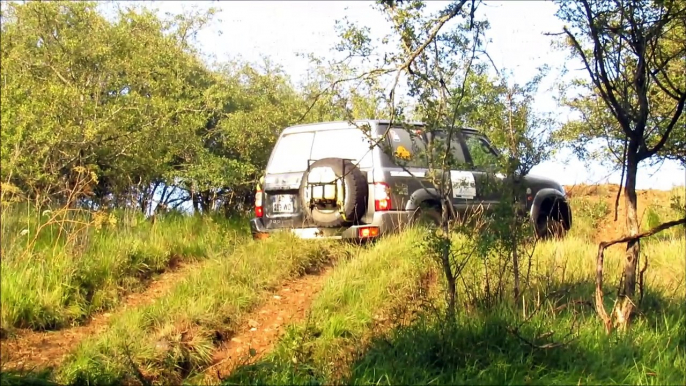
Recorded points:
367,232
259,211
382,197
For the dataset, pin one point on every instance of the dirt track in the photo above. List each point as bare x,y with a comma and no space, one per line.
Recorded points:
263,326
32,350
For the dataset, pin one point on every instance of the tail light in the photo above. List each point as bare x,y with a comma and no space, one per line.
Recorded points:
368,232
259,211
382,197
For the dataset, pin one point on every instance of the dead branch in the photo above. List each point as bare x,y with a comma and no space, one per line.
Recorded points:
599,305
545,346
568,338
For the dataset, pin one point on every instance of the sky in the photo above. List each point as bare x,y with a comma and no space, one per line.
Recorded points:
251,30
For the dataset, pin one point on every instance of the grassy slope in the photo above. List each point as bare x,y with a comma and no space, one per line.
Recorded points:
59,281
175,336
478,347
374,284
171,338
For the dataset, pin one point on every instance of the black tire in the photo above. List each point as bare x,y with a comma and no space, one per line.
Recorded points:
355,200
550,228
429,217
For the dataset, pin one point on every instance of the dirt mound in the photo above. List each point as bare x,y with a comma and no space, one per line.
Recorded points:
608,228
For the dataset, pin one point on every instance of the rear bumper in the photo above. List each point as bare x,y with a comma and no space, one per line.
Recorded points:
387,222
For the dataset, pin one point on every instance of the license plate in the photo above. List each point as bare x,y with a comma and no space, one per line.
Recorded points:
283,204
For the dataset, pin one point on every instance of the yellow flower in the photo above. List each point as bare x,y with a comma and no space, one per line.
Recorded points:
112,220
402,153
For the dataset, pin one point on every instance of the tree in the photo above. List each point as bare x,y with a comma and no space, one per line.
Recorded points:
439,59
119,98
635,55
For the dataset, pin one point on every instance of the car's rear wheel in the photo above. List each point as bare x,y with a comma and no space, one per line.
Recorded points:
427,217
554,219
548,227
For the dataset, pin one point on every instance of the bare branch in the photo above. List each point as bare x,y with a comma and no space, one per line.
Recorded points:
612,103
599,305
675,118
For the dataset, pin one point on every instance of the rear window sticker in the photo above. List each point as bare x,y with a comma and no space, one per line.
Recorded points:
395,136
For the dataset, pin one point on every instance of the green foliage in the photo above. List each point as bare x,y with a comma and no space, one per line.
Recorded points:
131,100
108,95
611,104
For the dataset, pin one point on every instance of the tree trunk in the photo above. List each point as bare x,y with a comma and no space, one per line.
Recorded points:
515,260
445,259
628,289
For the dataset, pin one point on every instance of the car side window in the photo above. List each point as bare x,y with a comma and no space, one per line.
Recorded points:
458,159
408,149
416,150
483,156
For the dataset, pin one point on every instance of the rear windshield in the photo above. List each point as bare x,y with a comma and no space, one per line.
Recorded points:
293,151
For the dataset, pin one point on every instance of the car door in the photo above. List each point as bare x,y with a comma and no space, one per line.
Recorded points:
414,179
464,190
482,160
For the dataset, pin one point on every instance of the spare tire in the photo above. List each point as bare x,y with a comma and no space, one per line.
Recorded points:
334,192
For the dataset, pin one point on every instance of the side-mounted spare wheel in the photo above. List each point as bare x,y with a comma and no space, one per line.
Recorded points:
334,192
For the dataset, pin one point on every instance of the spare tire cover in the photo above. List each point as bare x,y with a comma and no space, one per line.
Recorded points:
329,177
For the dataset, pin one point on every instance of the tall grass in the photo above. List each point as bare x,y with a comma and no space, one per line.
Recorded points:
59,277
175,336
552,337
373,286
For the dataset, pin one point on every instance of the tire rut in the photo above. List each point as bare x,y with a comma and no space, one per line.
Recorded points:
264,326
37,350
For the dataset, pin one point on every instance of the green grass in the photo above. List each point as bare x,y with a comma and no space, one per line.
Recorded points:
375,284
354,336
479,349
174,337
478,346
62,278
